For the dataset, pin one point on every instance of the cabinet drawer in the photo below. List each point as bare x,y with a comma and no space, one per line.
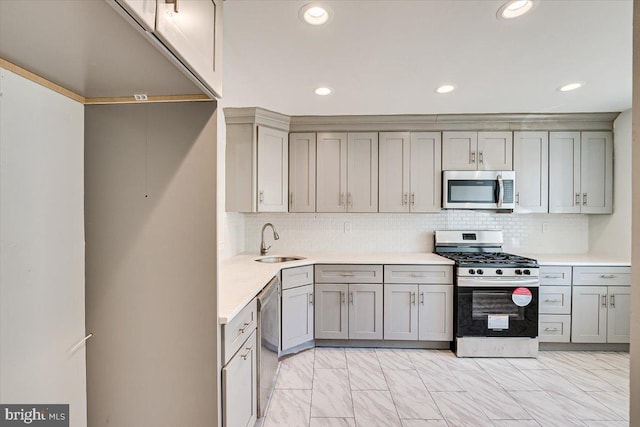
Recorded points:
554,328
555,300
346,273
555,275
601,276
425,274
239,329
299,276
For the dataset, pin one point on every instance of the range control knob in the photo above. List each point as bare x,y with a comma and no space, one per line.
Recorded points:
480,271
527,272
498,271
472,271
518,271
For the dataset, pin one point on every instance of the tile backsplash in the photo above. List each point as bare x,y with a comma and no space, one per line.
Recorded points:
348,233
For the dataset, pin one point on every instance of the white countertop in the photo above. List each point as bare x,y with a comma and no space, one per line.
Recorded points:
241,278
587,259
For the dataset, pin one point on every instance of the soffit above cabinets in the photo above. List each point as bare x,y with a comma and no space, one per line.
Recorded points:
88,48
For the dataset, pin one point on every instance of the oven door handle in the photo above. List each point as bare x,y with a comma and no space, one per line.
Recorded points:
500,191
485,282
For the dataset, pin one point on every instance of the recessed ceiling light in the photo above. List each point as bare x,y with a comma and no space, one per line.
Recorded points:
446,89
315,14
323,91
570,86
515,8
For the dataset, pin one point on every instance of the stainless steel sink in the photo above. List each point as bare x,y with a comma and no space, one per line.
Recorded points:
276,259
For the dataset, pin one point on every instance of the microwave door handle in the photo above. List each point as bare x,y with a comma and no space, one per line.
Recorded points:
500,191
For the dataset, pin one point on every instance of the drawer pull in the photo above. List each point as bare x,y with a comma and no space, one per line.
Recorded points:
244,328
552,300
551,329
553,276
347,274
607,276
418,275
244,356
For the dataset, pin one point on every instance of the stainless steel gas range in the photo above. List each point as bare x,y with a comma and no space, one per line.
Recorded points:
496,295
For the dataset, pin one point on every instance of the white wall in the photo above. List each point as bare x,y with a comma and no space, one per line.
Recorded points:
41,247
414,232
610,234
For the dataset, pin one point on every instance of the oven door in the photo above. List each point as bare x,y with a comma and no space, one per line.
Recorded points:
478,189
497,311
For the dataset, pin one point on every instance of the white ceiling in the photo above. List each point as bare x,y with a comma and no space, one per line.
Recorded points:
387,57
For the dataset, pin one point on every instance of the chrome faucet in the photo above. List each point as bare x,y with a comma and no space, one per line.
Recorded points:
263,249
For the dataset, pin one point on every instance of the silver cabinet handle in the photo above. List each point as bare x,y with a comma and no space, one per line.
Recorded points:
413,298
351,298
343,297
347,274
613,301
310,299
552,276
577,199
244,328
261,196
551,329
473,157
518,198
413,199
422,298
405,199
341,199
481,157
607,276
584,199
175,5
552,300
349,199
418,275
248,352
604,300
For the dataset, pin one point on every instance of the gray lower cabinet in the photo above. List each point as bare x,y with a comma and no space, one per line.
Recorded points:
239,385
348,311
297,316
418,312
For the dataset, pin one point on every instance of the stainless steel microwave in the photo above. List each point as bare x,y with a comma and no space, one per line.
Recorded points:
492,190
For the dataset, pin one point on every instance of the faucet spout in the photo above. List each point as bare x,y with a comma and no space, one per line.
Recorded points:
264,249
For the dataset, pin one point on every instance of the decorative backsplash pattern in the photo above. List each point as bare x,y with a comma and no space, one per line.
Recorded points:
348,233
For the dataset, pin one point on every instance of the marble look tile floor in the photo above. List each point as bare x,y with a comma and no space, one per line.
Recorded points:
336,387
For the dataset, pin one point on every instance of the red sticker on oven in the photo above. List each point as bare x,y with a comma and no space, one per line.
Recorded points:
521,297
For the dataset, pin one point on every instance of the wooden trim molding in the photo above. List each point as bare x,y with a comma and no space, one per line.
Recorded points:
40,80
9,66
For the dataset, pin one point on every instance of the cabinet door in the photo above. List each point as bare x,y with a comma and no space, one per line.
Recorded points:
331,311
589,314
459,150
365,312
331,183
394,172
425,172
531,163
143,11
435,313
400,312
302,172
194,35
619,316
362,172
495,151
273,165
240,386
596,176
564,172
297,316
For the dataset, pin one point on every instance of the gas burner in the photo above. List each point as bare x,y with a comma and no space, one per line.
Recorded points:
489,259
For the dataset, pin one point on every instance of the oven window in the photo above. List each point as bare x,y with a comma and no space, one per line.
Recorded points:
494,302
467,191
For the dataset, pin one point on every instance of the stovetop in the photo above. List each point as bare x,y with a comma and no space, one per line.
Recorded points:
489,259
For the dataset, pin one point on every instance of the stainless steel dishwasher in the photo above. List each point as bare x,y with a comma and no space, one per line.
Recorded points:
269,339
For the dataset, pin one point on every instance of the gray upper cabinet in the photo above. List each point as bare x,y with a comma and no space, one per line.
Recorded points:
192,29
302,172
410,171
468,150
347,172
581,172
273,163
531,164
